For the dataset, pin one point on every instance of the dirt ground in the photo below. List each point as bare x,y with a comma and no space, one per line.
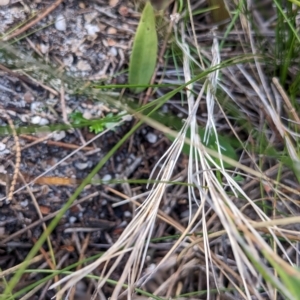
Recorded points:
85,40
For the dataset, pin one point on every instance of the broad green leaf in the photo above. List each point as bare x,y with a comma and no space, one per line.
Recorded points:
144,52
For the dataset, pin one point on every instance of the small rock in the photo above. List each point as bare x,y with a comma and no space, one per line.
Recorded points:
4,2
60,23
2,146
28,97
113,3
24,203
81,166
106,178
36,120
2,170
123,11
112,30
113,51
4,152
59,135
151,138
82,65
36,107
44,48
111,42
72,220
44,121
82,5
127,214
87,115
91,29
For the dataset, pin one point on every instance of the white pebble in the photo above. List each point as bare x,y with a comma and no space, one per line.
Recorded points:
91,29
59,135
72,220
60,23
2,146
81,166
36,106
44,48
36,120
113,51
87,115
24,203
4,152
127,214
106,177
151,137
2,169
44,121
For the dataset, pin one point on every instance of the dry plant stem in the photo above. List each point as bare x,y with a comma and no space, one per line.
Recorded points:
31,44
38,18
30,295
15,268
15,74
54,143
45,290
215,154
286,100
196,44
47,88
262,226
81,258
18,154
50,263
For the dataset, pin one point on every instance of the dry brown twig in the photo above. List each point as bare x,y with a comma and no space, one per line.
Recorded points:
38,18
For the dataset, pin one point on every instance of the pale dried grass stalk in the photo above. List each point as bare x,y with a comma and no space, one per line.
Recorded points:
18,154
135,238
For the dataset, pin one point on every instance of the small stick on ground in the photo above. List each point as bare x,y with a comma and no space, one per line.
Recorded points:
54,143
286,100
18,154
39,17
81,258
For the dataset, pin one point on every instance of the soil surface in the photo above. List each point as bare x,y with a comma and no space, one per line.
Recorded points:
83,42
